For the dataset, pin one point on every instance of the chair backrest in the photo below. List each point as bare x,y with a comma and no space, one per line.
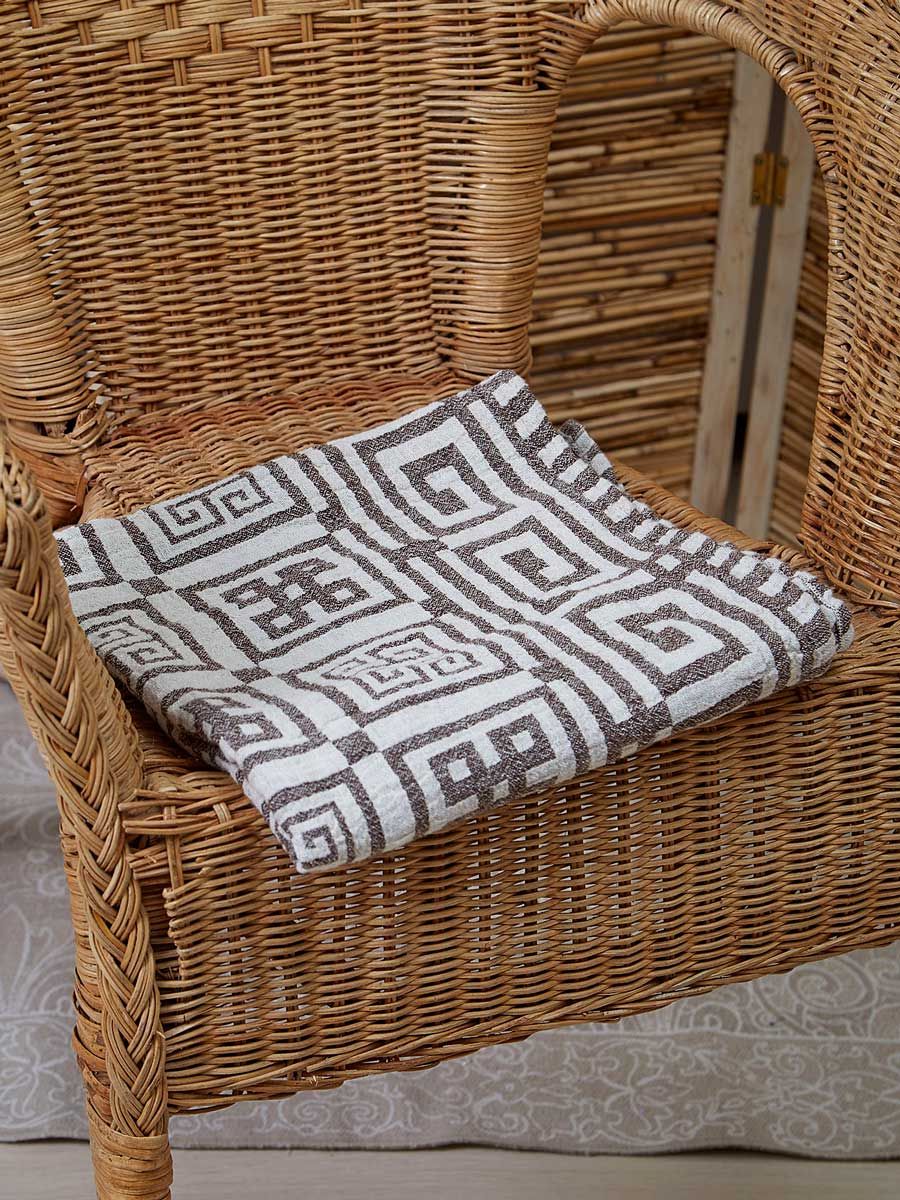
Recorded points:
229,198
208,198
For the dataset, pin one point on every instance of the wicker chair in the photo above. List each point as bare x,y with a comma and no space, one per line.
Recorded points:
217,217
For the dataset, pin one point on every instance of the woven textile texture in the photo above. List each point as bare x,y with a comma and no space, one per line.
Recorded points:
380,635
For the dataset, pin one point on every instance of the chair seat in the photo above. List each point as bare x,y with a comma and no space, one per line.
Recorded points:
751,845
169,451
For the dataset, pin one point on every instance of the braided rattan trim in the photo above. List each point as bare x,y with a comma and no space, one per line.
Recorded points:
89,745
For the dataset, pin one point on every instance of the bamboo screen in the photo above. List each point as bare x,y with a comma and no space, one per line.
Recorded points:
623,296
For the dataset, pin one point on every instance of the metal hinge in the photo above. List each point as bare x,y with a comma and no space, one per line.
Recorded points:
770,173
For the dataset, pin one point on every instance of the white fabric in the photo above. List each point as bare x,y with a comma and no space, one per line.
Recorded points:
385,634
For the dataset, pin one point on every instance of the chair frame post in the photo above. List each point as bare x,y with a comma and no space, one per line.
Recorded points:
88,744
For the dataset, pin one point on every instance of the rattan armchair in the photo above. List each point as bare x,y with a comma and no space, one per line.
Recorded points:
232,227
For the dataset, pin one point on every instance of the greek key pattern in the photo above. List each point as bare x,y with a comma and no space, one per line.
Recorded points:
382,635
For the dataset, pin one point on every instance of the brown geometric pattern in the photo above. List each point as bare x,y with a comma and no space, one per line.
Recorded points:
378,636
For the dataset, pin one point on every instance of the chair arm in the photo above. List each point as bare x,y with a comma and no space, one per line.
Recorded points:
837,63
90,748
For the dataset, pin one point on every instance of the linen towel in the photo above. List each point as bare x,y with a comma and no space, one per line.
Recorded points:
378,636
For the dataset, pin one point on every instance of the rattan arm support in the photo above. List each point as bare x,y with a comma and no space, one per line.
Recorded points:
836,61
88,743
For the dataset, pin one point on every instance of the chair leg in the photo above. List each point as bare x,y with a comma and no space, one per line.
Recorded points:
126,1166
134,1162
130,1168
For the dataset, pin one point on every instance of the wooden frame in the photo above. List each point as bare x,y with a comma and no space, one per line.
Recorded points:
758,264
775,338
732,284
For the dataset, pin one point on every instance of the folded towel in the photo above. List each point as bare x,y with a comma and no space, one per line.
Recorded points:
378,636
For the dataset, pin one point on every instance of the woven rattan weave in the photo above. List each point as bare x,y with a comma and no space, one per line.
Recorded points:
230,228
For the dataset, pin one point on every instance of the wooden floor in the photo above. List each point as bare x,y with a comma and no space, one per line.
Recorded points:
61,1171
